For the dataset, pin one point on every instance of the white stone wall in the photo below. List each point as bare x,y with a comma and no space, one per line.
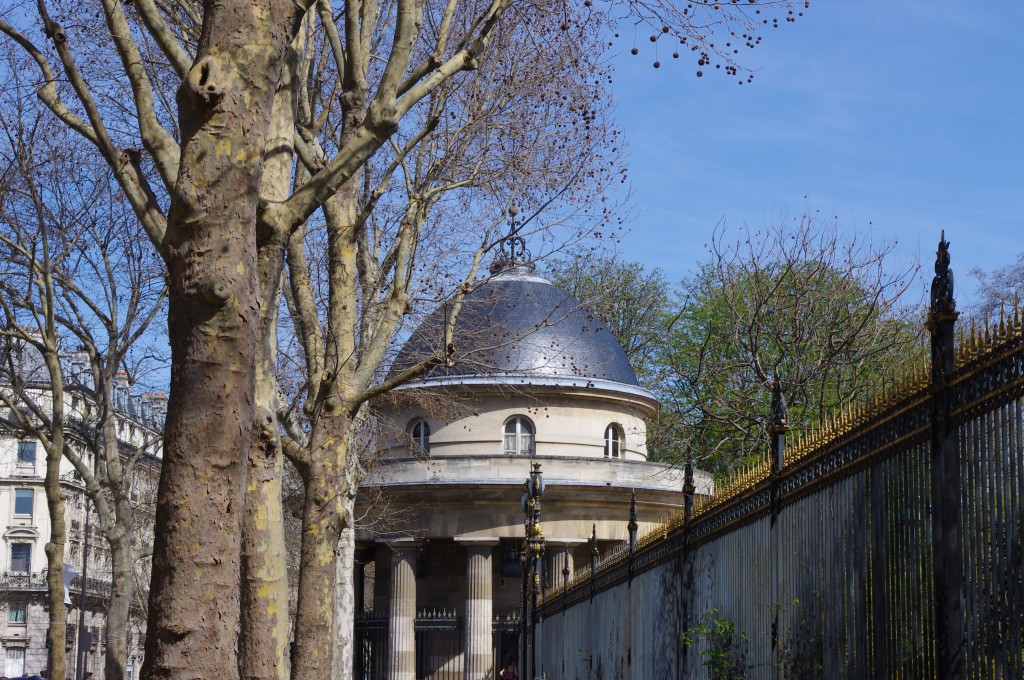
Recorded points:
567,422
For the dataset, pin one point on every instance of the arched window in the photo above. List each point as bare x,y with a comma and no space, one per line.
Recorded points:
519,437
420,435
612,441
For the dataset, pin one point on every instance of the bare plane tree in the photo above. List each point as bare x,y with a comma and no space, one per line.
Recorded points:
196,110
77,285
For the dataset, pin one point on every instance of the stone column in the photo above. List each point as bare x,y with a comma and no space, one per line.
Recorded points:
479,658
402,611
561,557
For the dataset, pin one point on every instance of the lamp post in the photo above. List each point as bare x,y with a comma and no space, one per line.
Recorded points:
777,429
532,557
524,556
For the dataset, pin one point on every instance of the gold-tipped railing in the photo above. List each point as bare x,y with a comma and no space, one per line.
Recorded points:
974,346
974,342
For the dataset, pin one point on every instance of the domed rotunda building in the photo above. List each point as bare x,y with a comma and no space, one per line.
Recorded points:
537,379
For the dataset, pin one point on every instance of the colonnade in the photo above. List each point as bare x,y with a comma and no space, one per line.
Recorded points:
478,649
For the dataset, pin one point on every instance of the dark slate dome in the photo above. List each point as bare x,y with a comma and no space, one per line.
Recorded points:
520,325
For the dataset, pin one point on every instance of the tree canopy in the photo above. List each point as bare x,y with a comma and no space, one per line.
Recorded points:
827,316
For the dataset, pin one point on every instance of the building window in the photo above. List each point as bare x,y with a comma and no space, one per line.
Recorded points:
26,453
21,557
23,501
15,666
420,434
519,437
16,612
612,441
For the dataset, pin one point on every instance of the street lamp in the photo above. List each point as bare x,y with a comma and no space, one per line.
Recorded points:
524,555
777,429
533,556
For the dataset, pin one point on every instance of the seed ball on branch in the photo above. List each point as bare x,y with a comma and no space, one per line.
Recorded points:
634,51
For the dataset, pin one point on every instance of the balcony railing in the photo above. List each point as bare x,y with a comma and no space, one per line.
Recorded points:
19,580
22,581
94,586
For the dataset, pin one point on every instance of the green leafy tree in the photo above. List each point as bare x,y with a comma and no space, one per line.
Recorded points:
795,302
828,316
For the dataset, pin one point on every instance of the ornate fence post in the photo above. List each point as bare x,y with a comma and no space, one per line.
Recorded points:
948,571
632,528
686,566
594,555
777,429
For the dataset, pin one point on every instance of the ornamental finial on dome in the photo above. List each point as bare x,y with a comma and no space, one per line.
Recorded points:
512,250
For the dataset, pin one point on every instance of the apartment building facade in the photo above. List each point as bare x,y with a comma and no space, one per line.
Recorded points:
25,522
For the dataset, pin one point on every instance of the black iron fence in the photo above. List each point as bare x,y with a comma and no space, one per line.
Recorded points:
371,647
440,639
889,544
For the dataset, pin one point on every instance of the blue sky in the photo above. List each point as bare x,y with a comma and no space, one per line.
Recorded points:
902,118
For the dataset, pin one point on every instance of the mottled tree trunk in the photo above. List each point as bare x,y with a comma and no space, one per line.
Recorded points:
121,593
263,652
345,603
224,109
117,524
263,649
54,549
323,521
